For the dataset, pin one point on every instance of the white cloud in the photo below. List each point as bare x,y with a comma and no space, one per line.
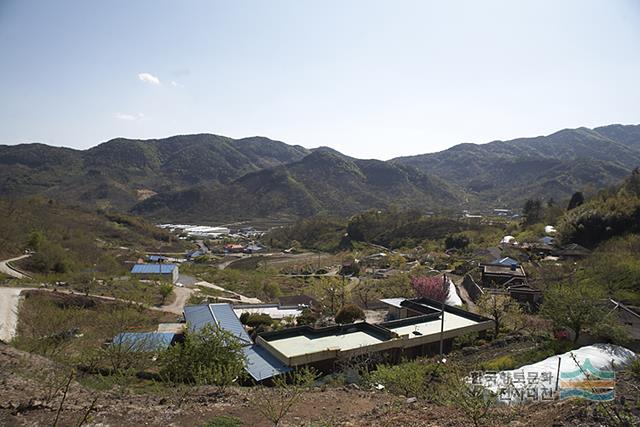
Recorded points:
128,117
149,78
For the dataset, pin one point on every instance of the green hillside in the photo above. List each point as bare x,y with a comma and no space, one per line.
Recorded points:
553,166
71,239
121,172
321,183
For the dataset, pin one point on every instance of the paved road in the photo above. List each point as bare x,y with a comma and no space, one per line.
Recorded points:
9,300
5,268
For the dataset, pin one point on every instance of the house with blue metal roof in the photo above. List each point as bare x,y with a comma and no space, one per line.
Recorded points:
144,341
160,271
259,363
220,315
279,352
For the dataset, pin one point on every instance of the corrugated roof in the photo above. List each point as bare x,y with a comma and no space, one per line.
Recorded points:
226,318
261,364
144,341
153,268
198,316
221,315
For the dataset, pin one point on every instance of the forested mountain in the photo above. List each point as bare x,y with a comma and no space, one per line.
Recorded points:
121,172
322,182
507,172
208,177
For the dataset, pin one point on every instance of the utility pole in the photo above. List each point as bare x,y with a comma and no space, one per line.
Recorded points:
444,283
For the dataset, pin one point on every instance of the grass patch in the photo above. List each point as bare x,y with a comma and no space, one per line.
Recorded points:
68,327
223,421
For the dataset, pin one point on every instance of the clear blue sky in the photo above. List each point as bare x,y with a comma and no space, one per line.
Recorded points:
370,78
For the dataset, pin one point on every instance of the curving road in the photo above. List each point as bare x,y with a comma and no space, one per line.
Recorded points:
5,268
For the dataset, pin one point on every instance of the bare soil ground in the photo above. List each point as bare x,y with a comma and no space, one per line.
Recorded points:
27,379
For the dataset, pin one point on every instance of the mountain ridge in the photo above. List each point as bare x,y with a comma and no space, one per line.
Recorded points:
166,177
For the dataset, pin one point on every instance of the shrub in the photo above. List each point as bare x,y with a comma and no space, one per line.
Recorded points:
412,379
255,320
165,290
307,317
349,314
208,356
502,363
244,317
474,401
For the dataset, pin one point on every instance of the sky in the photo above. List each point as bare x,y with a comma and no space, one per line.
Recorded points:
372,79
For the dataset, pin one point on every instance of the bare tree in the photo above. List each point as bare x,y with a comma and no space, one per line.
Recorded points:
275,403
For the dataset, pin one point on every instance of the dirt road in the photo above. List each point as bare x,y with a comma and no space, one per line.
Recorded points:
242,299
177,306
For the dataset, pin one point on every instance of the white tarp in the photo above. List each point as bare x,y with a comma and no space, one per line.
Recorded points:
605,357
453,298
509,240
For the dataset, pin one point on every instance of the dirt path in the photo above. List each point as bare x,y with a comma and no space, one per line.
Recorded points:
177,306
243,299
9,301
5,268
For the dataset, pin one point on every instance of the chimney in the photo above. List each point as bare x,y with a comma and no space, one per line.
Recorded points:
513,267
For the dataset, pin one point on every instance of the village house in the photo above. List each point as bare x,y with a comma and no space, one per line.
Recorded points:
502,276
278,352
160,272
572,251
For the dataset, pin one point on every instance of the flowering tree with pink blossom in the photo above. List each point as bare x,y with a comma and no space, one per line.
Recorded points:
433,287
